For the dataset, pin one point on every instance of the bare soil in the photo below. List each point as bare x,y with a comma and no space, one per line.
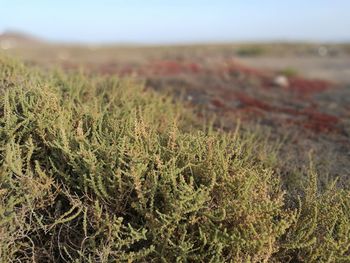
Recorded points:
336,69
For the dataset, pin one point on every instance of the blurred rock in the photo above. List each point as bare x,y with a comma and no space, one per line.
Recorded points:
281,81
322,51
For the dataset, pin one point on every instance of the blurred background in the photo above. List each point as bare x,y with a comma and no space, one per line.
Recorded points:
320,27
282,67
175,22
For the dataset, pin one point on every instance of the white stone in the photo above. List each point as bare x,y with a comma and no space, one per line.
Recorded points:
281,81
323,51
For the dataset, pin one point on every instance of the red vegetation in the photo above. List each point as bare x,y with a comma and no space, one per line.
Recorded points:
169,67
223,93
218,103
306,87
312,119
236,68
321,122
126,71
252,102
265,78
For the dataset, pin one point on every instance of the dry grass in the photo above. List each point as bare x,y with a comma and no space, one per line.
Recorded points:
96,169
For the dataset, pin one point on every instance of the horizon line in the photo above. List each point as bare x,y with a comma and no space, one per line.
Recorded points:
279,40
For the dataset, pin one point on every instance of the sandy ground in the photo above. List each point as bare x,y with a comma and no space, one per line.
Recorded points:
336,69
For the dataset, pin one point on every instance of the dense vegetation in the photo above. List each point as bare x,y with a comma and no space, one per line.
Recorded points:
97,169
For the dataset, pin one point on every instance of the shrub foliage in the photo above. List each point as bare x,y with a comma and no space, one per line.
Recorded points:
97,169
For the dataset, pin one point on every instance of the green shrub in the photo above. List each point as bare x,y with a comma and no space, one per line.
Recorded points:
321,232
289,72
250,51
96,169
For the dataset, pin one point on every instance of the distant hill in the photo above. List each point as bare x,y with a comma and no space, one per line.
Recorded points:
12,39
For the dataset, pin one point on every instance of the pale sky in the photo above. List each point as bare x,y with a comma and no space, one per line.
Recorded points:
178,21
